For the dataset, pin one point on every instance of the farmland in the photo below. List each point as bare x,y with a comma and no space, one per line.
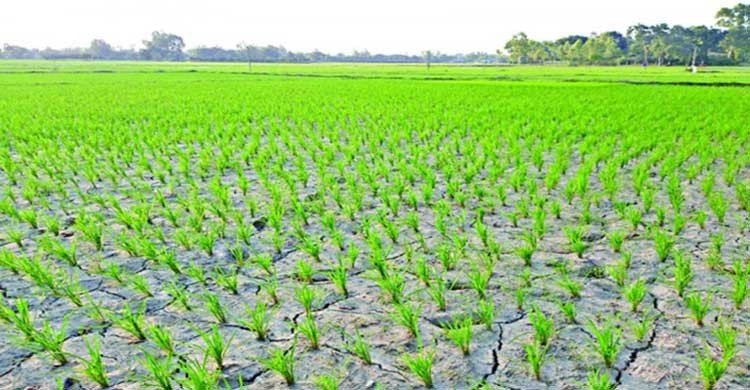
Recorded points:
373,226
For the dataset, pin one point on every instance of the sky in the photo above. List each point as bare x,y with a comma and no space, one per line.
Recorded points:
333,26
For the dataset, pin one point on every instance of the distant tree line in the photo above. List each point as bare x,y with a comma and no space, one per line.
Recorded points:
660,44
170,47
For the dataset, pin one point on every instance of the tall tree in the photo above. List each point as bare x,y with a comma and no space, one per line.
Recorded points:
164,47
640,36
519,47
737,22
100,50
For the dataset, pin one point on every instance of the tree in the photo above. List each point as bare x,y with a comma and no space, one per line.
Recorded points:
519,47
100,50
163,47
737,22
641,36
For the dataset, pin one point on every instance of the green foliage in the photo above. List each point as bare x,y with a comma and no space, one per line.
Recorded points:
606,341
282,362
420,365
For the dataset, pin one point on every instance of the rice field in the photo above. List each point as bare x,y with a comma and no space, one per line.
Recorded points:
354,226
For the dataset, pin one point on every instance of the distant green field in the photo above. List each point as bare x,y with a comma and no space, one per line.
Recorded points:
491,72
201,226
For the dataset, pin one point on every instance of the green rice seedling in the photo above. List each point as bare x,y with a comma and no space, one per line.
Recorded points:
393,286
312,247
555,209
526,252
46,339
575,240
163,339
309,328
599,380
740,279
92,230
661,216
15,236
185,239
168,259
711,370
206,242
304,271
259,320
407,315
282,362
133,322
634,293
327,382
568,308
420,365
571,286
698,306
20,318
460,332
643,327
179,295
140,284
674,190
485,311
714,260
42,274
634,216
265,262
70,287
543,326
160,371
678,224
338,276
616,239
29,216
307,297
243,234
717,242
215,307
446,257
11,262
700,218
57,249
683,272
113,271
607,341
93,366
626,259
525,277
197,273
271,287
227,280
437,289
359,347
719,205
197,375
216,347
520,295
421,270
539,226
479,281
239,255
727,338
535,357
663,243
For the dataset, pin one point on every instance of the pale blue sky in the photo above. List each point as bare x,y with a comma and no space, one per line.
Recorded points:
393,26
